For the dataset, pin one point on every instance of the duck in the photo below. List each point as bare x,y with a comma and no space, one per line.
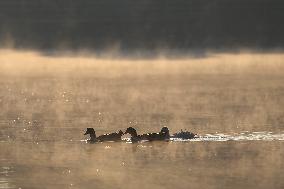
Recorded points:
184,135
105,137
164,134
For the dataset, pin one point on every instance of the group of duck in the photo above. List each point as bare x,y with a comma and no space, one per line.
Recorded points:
163,135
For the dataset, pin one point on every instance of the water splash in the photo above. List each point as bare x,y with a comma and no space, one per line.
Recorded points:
243,136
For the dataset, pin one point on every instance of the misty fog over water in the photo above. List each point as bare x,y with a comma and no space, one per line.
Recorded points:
47,103
212,67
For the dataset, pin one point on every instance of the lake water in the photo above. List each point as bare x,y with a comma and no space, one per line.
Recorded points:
236,110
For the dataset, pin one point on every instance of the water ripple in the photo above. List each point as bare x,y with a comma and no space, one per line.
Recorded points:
5,181
244,136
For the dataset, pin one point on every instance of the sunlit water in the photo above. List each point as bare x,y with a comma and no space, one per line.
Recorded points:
244,136
212,161
238,117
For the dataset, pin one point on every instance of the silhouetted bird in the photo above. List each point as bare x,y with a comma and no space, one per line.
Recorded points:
162,135
184,135
105,137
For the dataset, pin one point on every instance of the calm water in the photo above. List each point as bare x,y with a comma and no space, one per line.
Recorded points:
239,117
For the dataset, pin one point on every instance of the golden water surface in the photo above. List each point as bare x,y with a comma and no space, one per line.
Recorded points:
46,102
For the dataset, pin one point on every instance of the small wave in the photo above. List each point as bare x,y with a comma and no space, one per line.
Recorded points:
244,136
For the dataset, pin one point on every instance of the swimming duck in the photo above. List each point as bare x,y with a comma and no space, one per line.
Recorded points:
184,135
105,137
162,135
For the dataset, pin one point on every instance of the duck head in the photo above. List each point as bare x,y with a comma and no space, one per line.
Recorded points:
131,131
90,131
92,134
166,132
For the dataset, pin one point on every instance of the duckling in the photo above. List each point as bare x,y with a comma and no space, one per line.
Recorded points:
163,135
184,135
105,137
